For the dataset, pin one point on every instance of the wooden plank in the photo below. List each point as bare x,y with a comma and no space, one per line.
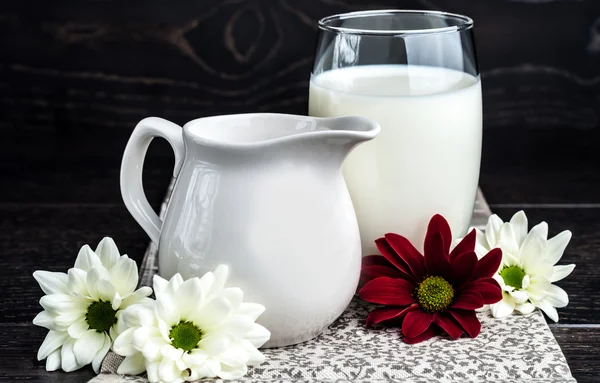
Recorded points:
580,346
108,64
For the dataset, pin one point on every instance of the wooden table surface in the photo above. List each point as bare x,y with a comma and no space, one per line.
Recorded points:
52,205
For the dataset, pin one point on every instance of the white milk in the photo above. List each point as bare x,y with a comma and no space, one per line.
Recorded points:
426,159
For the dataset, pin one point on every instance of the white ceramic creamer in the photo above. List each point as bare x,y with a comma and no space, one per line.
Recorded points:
264,194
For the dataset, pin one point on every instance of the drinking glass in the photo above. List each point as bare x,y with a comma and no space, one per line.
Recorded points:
416,73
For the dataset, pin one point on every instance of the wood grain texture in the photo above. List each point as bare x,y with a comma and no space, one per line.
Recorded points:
580,346
70,65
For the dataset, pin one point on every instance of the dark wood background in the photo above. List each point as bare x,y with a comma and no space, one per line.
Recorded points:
76,76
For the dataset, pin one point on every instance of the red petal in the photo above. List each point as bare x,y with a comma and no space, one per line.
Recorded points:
430,333
388,291
467,320
438,224
408,253
448,324
463,267
391,255
416,323
467,244
468,300
375,271
436,261
489,264
384,314
488,288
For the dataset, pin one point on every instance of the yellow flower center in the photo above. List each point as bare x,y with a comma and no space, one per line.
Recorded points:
435,294
100,316
185,335
513,276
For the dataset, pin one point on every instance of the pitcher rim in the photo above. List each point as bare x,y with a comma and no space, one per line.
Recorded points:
372,132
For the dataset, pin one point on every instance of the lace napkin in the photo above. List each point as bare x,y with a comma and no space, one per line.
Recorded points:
514,349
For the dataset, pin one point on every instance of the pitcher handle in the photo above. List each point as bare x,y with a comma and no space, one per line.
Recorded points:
133,163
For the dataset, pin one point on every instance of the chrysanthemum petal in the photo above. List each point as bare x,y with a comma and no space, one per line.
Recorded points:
492,230
481,243
462,269
170,352
416,323
547,308
44,319
540,229
123,345
467,244
560,272
468,300
77,281
374,266
258,336
132,365
159,285
384,314
447,323
525,308
408,254
106,290
52,282
101,354
233,372
250,310
436,257
124,275
467,319
86,347
197,356
189,296
388,291
392,256
108,252
67,357
221,273
213,312
557,296
53,361
504,307
234,295
67,319
166,309
439,225
53,341
86,259
430,333
233,356
506,239
520,296
63,304
168,371
489,264
519,224
78,329
215,344
488,288
555,247
531,252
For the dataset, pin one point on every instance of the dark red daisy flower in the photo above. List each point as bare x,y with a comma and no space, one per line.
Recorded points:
437,291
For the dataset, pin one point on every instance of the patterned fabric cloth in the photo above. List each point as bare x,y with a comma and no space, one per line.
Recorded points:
514,349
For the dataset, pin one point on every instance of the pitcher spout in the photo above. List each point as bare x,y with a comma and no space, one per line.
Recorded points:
353,128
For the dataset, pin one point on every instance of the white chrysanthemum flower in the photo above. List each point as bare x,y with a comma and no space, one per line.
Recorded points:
82,308
195,329
528,265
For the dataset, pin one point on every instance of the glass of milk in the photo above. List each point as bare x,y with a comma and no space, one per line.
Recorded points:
416,73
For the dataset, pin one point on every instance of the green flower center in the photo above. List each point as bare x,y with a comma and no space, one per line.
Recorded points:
434,294
100,316
513,276
185,336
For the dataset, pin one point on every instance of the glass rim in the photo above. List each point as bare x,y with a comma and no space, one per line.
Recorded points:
466,22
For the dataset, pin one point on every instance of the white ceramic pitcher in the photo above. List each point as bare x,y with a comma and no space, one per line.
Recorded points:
264,194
